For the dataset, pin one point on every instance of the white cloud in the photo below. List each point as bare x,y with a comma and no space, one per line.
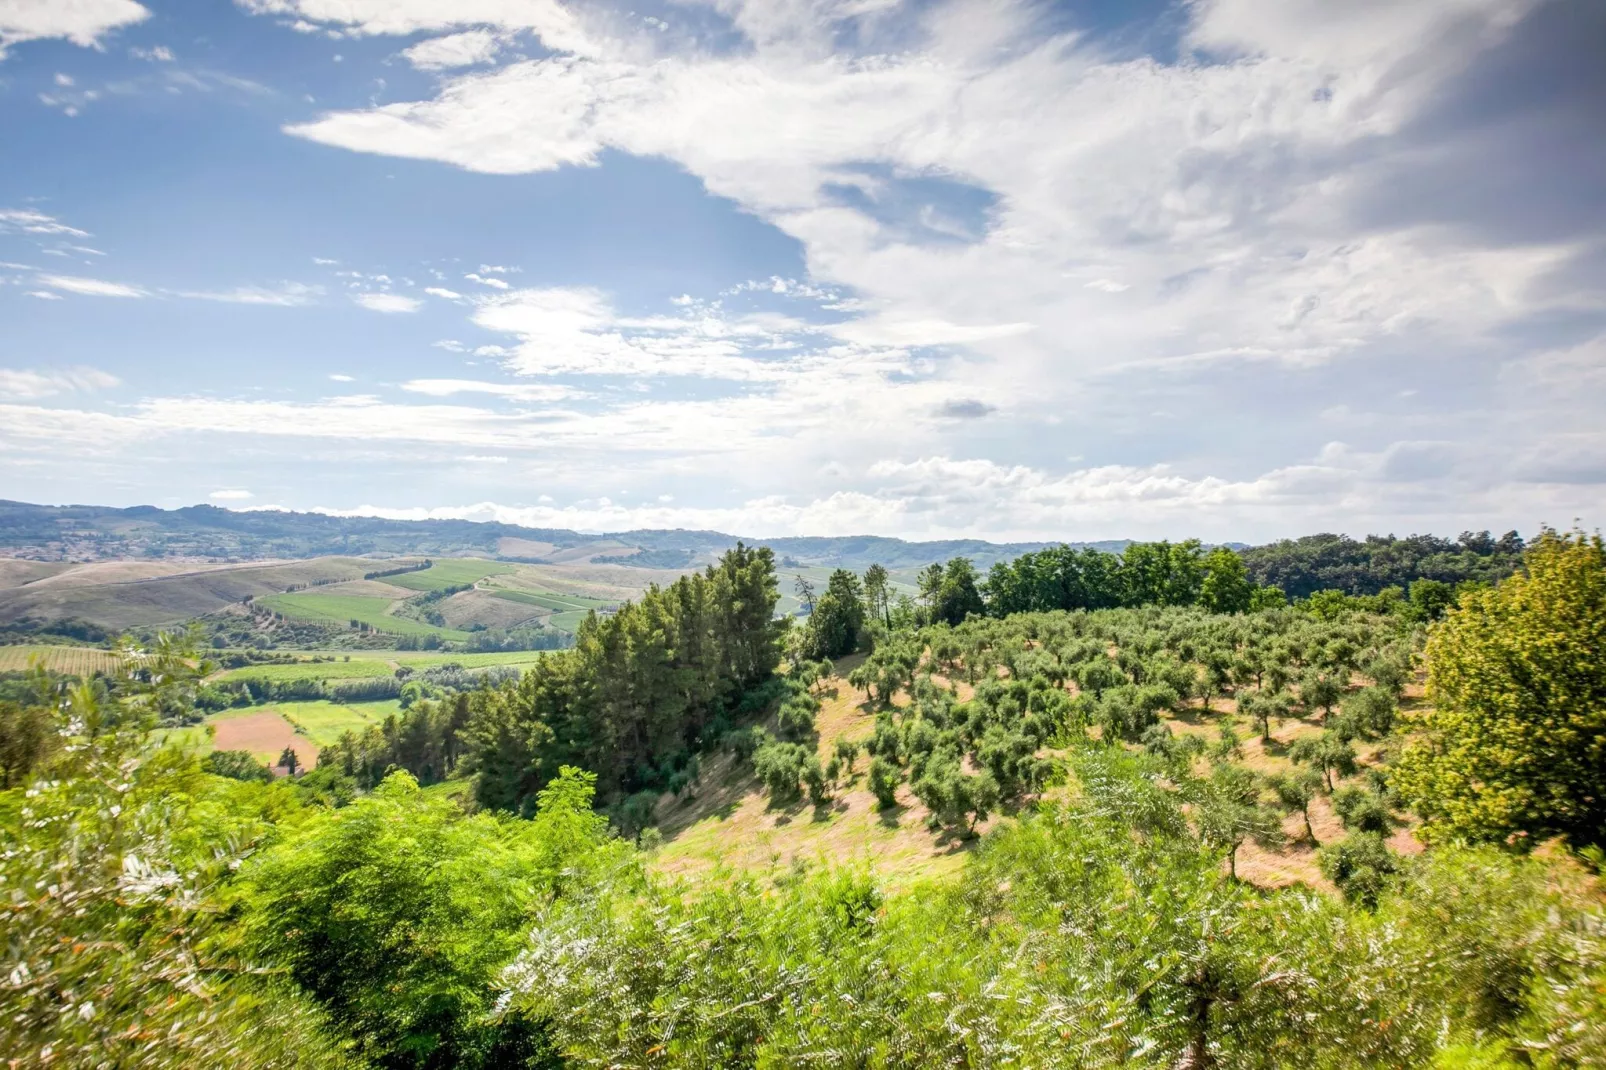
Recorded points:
323,260
497,284
556,26
159,54
31,221
83,22
468,49
63,79
43,295
441,388
286,294
442,292
27,385
337,377
231,495
90,287
376,302
577,330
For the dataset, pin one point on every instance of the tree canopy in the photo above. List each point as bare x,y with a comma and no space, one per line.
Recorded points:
1514,744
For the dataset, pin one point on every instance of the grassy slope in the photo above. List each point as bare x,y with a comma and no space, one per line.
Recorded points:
449,572
342,609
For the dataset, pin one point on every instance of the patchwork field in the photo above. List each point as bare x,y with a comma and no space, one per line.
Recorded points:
266,730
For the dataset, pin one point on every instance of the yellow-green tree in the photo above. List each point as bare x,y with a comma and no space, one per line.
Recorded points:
1514,746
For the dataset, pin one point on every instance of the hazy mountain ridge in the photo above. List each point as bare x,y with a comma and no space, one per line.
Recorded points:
89,532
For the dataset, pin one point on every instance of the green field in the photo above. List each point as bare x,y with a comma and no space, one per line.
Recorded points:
322,723
373,664
556,603
567,621
325,722
357,669
451,572
344,608
421,660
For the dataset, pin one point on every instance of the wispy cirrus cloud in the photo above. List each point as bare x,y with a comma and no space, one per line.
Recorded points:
25,384
33,221
77,284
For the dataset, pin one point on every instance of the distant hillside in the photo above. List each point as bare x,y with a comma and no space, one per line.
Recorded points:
95,533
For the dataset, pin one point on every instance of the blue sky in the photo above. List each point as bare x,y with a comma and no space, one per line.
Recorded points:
1229,268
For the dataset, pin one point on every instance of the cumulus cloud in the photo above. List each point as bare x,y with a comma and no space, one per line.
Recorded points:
468,49
383,302
83,22
1191,268
234,494
577,330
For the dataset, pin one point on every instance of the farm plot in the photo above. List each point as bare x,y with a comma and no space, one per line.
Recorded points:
565,603
325,722
356,669
450,572
73,660
343,609
420,660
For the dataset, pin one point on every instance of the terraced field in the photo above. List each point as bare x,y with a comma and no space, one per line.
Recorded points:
76,660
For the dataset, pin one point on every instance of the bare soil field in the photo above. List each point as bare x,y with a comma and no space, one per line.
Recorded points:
265,735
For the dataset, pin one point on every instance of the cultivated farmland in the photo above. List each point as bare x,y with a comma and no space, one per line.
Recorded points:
450,572
73,660
342,609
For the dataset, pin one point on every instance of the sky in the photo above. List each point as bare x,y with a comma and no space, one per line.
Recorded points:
1227,269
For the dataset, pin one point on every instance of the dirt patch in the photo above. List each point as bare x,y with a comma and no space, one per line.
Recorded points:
265,735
